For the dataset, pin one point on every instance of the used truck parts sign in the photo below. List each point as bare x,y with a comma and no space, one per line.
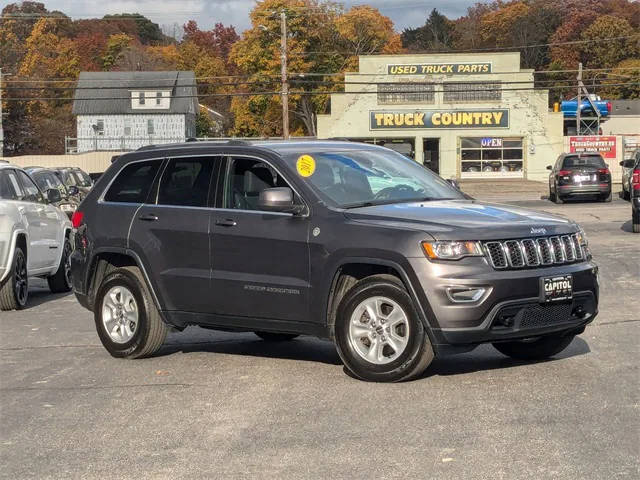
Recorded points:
381,120
439,68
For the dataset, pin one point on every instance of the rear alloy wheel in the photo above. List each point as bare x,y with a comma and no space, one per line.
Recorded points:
15,291
276,337
379,335
538,349
60,281
127,320
557,198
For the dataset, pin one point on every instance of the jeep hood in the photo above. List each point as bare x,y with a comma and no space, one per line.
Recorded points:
464,220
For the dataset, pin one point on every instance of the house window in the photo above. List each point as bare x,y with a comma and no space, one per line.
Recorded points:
150,129
99,127
472,91
141,98
389,94
158,98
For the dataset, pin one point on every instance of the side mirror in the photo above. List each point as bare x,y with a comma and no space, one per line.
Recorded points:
53,195
279,199
454,183
622,163
549,167
73,190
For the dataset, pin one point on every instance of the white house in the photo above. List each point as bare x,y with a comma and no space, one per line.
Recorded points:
127,110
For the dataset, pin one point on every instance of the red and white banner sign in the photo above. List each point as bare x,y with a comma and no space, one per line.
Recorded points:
605,146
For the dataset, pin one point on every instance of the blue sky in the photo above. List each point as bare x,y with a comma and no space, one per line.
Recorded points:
404,13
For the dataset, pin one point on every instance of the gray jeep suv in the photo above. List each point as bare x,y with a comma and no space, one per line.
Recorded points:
345,241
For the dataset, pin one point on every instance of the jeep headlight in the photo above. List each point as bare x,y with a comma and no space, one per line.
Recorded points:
449,250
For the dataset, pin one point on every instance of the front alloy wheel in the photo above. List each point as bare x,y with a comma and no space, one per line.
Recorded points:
378,333
379,330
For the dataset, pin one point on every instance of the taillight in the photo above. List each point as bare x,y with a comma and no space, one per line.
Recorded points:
604,171
609,107
76,218
635,179
564,173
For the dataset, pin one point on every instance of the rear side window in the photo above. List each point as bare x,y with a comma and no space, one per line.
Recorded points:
133,183
571,161
9,187
185,182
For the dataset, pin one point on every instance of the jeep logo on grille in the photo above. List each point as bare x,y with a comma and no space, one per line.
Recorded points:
538,231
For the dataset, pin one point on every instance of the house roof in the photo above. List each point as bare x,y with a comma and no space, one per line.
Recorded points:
110,92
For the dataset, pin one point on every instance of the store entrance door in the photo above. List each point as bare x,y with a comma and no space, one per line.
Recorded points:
431,147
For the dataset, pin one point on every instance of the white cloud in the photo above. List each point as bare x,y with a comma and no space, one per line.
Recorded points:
404,13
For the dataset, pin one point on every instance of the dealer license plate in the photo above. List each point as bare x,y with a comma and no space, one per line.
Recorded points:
555,289
581,178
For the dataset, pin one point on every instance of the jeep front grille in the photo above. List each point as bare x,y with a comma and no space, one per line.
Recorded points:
531,253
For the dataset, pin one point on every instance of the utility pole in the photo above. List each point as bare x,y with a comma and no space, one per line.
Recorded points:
283,73
579,78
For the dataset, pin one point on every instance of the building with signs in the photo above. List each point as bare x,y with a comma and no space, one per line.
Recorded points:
462,115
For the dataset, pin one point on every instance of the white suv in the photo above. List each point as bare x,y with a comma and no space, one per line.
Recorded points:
34,238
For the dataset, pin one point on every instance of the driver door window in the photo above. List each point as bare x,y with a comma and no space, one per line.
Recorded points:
246,179
32,193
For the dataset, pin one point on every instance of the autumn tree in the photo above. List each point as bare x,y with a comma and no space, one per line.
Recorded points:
610,40
322,39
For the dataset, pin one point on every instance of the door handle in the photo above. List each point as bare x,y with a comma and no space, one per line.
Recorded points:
150,217
227,222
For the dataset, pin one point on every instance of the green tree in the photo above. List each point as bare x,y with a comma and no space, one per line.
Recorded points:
435,34
608,53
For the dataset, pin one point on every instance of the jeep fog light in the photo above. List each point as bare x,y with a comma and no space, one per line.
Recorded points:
465,294
451,250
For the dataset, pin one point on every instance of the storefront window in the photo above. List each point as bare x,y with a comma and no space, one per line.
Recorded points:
491,156
401,93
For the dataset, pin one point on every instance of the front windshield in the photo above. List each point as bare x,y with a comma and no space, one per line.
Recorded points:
82,178
355,178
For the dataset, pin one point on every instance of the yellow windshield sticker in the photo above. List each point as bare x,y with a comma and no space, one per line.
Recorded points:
306,165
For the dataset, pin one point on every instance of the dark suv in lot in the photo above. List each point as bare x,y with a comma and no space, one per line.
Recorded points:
346,241
576,175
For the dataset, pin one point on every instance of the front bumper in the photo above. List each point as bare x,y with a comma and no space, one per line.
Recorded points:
511,306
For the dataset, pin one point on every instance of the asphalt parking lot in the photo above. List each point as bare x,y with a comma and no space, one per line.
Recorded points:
220,405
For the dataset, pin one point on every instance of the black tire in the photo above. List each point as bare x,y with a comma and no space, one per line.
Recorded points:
60,282
552,196
150,332
625,194
635,221
543,347
558,199
14,292
606,198
418,352
276,337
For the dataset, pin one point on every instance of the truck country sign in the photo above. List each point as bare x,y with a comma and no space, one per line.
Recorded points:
400,119
439,68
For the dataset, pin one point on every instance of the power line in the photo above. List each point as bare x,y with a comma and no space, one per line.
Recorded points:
314,74
304,92
472,50
570,83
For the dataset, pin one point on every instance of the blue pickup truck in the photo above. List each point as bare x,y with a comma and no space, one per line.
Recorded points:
570,107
